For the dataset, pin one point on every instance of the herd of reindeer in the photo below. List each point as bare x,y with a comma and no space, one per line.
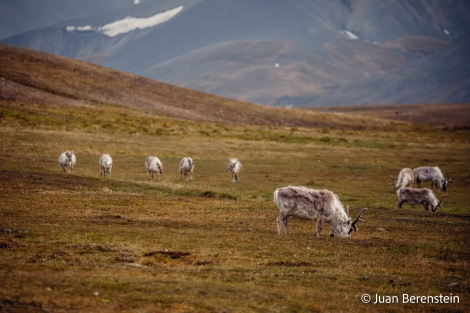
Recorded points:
153,165
299,201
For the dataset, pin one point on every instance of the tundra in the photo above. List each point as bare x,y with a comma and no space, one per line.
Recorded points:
320,205
67,160
153,165
106,163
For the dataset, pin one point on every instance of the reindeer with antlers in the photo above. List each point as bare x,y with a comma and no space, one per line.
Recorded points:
320,205
415,196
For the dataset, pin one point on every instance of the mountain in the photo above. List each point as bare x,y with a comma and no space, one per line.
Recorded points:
31,79
283,53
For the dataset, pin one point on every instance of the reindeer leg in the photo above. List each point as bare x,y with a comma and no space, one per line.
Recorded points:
278,222
319,227
282,222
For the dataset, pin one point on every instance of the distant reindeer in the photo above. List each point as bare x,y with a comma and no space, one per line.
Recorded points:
415,196
187,167
67,160
405,179
234,166
153,165
432,174
106,164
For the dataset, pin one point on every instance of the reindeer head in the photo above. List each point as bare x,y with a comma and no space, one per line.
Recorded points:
160,168
191,162
69,154
445,183
344,230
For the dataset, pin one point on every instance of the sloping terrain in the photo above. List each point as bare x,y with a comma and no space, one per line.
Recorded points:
283,53
447,115
35,77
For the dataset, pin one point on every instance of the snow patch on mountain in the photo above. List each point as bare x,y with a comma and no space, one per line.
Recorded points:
128,24
348,34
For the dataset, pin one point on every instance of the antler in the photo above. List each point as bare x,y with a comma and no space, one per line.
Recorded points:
435,208
393,183
358,219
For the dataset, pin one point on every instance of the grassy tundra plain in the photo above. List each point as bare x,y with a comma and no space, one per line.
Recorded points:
81,243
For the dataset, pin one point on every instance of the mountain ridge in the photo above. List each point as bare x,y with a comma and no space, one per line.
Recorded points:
314,52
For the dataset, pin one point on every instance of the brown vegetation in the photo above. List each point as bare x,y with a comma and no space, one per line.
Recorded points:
80,242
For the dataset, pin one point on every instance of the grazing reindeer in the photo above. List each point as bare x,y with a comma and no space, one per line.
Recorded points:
320,205
153,165
415,196
234,166
106,163
67,160
432,174
187,166
405,179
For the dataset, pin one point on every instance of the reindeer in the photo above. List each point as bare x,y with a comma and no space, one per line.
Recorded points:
187,166
320,205
432,174
415,196
153,165
106,164
405,179
67,160
234,166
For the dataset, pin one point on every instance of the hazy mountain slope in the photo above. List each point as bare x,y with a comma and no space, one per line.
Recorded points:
282,52
34,78
443,77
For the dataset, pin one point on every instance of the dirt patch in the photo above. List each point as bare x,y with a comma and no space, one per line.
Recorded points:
290,264
171,254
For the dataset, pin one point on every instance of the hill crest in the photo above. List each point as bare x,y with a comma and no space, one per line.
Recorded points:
32,77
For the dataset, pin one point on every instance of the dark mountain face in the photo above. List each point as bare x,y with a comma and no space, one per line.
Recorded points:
281,52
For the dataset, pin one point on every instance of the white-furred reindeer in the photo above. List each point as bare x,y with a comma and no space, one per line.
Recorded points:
67,160
320,205
405,179
153,165
415,196
106,164
234,166
187,167
432,174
